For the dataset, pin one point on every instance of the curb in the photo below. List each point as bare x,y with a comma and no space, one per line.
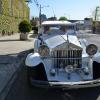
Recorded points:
20,65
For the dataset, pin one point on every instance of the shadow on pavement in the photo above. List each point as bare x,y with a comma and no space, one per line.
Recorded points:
15,40
8,59
24,53
33,36
10,67
11,58
9,40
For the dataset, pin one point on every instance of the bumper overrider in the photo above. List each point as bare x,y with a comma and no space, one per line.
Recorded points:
66,85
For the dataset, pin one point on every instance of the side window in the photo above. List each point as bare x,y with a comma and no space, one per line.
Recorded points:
70,27
63,28
46,29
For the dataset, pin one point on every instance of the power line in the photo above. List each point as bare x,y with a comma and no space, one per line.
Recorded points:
36,2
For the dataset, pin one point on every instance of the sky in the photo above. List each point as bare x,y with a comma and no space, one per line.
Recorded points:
72,9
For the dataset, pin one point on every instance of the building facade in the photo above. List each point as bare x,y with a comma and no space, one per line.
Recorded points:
88,23
12,12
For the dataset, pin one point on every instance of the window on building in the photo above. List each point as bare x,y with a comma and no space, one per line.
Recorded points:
10,8
20,4
0,7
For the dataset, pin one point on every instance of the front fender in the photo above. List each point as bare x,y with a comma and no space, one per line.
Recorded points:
33,59
97,57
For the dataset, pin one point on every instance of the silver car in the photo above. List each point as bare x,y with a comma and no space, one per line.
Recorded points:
61,59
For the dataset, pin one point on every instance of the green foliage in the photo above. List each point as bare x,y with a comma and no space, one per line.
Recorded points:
8,24
52,18
35,28
34,21
25,26
63,18
12,14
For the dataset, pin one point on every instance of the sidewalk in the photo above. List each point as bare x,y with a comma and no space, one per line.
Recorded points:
12,55
12,44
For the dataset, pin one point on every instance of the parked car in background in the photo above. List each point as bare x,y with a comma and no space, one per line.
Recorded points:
62,60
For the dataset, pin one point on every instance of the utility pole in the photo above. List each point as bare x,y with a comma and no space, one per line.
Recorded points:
96,12
40,16
53,13
40,8
95,19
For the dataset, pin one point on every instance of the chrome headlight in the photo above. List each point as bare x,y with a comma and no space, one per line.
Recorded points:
44,50
91,49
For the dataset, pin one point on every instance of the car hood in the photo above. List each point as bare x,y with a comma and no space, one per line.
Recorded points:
57,40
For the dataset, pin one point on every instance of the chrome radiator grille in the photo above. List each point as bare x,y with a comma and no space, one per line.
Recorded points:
62,58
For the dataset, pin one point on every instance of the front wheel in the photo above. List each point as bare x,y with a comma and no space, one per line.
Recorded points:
36,73
29,77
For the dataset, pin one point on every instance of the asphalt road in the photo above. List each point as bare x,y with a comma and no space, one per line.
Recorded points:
21,91
91,38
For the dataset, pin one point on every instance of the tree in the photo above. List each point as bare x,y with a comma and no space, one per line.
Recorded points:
63,18
25,26
35,28
34,21
52,18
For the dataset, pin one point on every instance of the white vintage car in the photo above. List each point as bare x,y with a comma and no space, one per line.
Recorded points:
62,60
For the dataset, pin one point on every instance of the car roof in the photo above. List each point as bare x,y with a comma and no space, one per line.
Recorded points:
57,23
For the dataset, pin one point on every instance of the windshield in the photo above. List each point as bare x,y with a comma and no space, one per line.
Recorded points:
60,29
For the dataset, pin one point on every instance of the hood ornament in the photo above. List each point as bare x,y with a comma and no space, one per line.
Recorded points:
67,41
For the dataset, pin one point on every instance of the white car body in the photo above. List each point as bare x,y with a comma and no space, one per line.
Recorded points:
66,64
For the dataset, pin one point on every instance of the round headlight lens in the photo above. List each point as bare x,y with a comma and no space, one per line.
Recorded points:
91,49
44,50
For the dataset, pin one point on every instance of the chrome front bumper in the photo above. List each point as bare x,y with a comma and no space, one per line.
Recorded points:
66,85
